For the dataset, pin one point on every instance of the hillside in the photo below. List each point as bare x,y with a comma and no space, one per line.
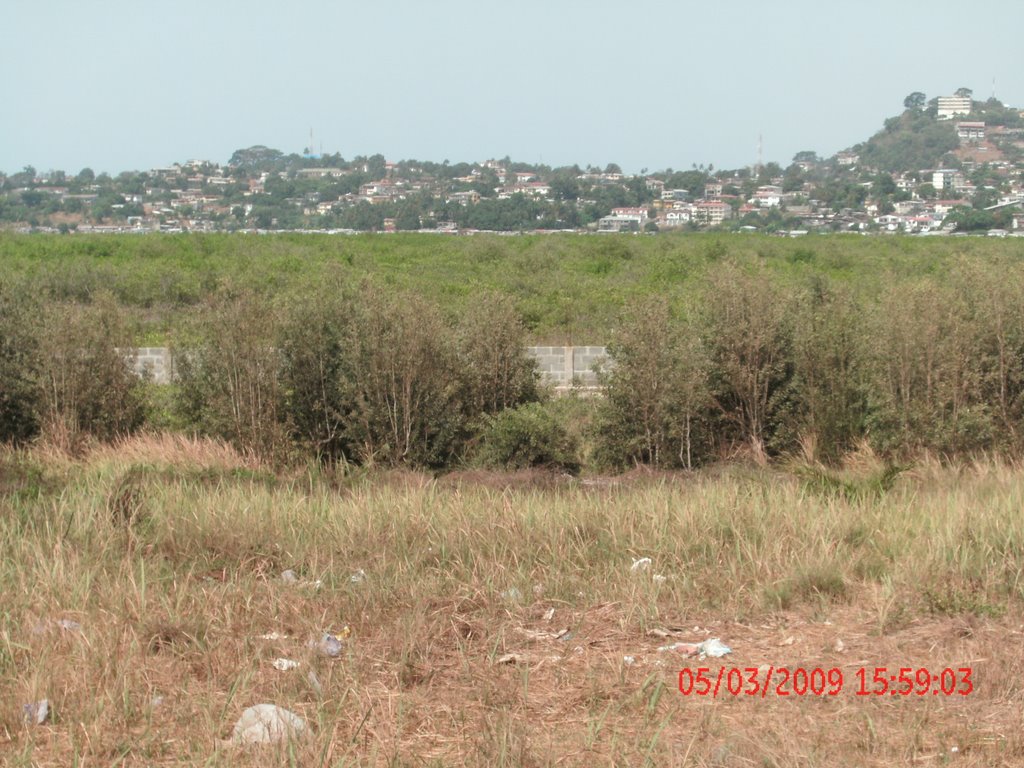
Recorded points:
909,142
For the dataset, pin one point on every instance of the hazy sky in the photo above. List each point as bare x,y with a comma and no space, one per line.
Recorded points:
120,85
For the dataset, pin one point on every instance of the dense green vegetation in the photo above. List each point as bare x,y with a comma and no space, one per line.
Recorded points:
566,287
410,349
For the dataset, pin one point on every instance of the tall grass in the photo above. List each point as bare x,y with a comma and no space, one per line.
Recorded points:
172,597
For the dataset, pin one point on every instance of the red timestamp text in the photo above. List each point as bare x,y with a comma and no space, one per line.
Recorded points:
767,681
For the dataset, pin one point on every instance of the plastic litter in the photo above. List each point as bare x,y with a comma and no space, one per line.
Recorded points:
290,577
535,634
659,579
273,636
156,702
838,646
512,595
549,614
358,577
519,658
267,723
68,625
714,648
331,645
285,664
629,661
36,712
641,564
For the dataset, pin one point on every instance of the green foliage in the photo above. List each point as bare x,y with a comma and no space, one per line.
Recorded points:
746,322
496,370
830,390
316,366
911,141
821,481
530,435
405,382
19,366
656,392
229,372
87,385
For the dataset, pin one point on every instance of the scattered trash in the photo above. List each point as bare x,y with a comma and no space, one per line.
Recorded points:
838,646
565,636
285,664
549,614
641,565
358,577
670,632
156,702
330,645
714,648
290,577
659,579
788,641
68,625
629,661
538,590
267,723
273,636
687,649
512,595
763,669
36,712
534,634
519,658
954,750
314,682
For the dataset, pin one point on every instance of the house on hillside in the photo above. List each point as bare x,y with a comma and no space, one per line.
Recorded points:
951,106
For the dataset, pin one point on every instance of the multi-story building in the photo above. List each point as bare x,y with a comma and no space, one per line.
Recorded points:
711,212
950,106
970,131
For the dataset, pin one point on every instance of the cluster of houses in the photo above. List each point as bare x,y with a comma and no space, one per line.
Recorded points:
200,196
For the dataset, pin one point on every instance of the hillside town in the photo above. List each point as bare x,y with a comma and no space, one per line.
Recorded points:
946,166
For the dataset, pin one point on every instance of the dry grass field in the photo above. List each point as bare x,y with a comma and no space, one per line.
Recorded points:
489,617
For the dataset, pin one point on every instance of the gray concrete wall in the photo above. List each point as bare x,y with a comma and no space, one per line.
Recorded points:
562,367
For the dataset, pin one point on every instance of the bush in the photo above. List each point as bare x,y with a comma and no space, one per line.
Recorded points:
88,385
747,327
830,390
528,436
405,386
317,368
498,373
654,410
229,374
19,368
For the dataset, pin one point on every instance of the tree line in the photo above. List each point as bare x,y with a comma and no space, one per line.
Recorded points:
747,361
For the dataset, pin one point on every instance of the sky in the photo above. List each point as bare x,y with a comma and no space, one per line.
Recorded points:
117,86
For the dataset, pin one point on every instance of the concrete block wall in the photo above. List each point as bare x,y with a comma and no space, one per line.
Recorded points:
154,362
563,367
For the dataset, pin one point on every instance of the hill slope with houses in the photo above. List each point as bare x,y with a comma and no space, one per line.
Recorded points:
952,164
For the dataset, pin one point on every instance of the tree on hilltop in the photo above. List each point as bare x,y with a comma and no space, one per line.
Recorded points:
915,100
